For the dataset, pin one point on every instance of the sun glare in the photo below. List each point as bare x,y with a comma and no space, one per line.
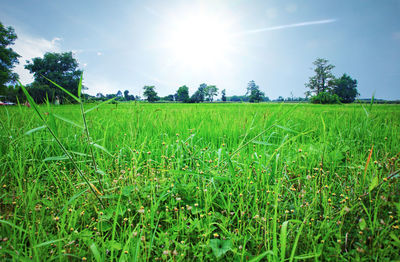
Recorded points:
200,41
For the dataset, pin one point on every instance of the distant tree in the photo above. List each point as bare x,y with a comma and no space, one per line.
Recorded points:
346,88
210,92
61,68
150,94
109,96
223,95
254,93
320,82
238,98
199,95
280,99
99,95
12,94
182,94
8,58
40,92
266,99
169,98
128,97
119,93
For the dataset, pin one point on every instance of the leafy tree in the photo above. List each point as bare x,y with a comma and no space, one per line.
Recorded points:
40,92
61,68
321,81
223,95
12,94
8,58
127,96
150,94
254,93
168,98
346,88
199,95
182,94
238,98
119,93
210,92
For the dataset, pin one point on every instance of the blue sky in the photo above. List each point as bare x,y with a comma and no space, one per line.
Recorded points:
124,45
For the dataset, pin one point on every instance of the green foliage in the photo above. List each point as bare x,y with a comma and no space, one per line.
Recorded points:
254,93
210,92
61,68
168,98
128,97
346,88
182,94
220,247
199,95
243,98
223,95
8,57
325,98
320,82
150,94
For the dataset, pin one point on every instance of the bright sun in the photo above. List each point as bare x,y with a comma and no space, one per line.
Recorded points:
199,41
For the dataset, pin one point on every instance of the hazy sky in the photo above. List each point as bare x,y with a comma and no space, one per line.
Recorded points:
124,45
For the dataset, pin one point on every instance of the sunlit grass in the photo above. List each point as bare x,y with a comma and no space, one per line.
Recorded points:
200,181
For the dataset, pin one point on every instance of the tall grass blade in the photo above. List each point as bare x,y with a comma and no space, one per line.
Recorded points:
30,99
67,121
63,89
35,130
102,103
48,242
101,148
95,252
80,86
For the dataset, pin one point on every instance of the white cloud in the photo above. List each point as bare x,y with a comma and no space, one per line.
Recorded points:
99,53
29,47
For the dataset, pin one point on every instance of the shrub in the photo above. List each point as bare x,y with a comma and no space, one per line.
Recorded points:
325,98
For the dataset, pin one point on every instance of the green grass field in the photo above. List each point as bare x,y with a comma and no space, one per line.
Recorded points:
190,182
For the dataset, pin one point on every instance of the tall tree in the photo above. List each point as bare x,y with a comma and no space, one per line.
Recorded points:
183,94
150,94
61,68
320,82
254,92
126,95
223,95
200,94
346,88
210,92
8,57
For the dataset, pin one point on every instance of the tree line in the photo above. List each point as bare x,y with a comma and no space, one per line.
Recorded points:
63,69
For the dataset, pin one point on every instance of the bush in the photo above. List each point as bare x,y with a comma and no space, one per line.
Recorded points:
325,98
